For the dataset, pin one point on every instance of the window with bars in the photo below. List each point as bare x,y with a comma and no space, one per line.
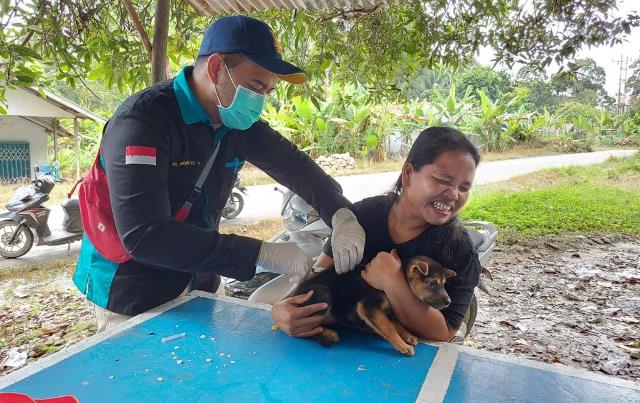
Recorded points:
15,161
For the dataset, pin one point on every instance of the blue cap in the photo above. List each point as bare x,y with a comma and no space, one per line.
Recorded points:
255,40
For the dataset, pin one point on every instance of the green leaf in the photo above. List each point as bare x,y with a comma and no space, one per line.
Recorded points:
451,100
95,74
321,125
24,80
25,51
372,141
303,108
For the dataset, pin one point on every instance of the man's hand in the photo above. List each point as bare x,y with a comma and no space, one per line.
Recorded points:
384,271
347,240
284,258
296,320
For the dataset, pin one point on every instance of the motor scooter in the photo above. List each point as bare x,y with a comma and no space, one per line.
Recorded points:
27,219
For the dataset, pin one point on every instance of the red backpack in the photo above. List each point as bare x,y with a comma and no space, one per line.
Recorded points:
97,215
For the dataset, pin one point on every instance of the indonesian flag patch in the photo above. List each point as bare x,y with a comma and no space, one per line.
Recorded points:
140,155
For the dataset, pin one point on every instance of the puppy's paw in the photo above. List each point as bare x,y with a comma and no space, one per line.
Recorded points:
410,339
407,350
330,335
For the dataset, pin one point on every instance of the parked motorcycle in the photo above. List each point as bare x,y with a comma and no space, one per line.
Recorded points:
304,226
235,202
27,216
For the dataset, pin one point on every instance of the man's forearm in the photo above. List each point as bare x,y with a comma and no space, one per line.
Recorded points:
179,246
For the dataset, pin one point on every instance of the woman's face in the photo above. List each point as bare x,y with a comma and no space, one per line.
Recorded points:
438,191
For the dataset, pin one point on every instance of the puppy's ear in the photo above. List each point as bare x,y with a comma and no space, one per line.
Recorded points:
419,266
449,273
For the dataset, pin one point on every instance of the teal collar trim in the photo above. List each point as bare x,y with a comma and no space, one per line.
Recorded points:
190,109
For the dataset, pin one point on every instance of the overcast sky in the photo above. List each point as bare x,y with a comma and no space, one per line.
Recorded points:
603,55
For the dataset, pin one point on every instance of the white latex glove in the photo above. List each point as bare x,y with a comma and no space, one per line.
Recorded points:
347,240
284,258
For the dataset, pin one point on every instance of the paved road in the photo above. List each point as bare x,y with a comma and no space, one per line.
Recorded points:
263,202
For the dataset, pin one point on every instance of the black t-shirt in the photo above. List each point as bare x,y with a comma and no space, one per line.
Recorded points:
448,244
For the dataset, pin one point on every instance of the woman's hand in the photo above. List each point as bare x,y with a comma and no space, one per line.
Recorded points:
383,271
296,320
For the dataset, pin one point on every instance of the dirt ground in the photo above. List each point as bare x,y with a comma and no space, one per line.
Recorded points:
572,300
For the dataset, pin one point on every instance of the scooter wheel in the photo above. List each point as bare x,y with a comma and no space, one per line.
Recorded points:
238,203
20,245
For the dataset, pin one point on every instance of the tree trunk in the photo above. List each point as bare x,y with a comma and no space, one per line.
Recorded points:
160,36
138,24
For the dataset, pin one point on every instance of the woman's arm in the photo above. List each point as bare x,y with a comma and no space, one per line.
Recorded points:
385,274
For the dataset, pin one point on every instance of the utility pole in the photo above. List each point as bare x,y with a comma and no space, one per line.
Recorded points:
626,71
622,84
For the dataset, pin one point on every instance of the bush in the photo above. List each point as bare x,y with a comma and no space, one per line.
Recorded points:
570,146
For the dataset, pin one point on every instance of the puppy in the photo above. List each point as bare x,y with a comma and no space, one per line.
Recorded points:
352,302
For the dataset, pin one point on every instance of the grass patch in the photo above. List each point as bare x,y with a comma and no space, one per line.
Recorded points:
263,229
26,337
79,328
619,172
47,348
57,195
519,151
38,272
603,198
561,209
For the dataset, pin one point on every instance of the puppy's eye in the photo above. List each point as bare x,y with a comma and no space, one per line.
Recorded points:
432,284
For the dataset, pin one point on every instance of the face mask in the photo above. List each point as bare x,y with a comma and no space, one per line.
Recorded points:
245,109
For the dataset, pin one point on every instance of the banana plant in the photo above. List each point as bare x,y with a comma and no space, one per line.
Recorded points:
452,111
500,119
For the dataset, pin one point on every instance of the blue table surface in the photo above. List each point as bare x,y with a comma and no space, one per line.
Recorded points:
230,352
480,379
248,362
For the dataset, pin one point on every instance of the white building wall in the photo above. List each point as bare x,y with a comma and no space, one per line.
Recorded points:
15,128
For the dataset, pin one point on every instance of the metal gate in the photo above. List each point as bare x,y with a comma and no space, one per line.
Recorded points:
15,161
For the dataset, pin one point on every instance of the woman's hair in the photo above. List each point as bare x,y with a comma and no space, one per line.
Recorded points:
433,142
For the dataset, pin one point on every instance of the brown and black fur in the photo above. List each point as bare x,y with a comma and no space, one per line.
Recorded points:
352,302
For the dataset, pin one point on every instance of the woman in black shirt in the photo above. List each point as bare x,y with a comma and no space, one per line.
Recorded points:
418,218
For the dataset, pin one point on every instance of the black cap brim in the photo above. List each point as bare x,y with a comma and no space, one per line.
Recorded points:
285,70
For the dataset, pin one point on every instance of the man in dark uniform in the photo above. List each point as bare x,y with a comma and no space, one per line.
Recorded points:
153,150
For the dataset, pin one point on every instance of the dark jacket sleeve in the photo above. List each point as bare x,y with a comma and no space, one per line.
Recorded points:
281,159
464,261
139,197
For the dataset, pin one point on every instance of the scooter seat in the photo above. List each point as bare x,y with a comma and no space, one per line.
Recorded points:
14,207
17,206
71,203
477,239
